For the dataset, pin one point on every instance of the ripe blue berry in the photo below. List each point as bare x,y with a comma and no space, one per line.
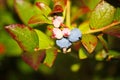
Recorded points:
63,43
75,35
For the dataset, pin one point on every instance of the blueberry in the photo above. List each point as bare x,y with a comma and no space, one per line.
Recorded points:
63,43
75,35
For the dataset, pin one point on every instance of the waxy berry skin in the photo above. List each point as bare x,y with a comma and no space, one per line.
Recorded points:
63,43
75,35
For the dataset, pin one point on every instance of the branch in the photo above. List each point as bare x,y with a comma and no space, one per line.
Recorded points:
102,29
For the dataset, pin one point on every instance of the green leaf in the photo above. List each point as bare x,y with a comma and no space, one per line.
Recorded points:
39,19
44,41
82,53
91,3
10,46
117,14
89,42
84,27
45,9
50,56
113,54
33,59
114,31
6,18
25,10
25,36
102,15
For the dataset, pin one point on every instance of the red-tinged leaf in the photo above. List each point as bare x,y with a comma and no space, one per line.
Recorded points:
59,6
2,48
57,9
114,31
50,56
39,19
25,36
89,42
33,59
44,8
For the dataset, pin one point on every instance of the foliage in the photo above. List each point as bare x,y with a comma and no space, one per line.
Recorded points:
97,21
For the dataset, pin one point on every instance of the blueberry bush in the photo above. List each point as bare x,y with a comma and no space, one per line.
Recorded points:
41,30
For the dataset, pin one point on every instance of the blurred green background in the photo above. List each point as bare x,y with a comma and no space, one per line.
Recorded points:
66,67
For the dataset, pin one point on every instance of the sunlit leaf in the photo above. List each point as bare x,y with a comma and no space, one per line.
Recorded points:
82,53
84,27
114,31
89,42
51,55
39,19
45,9
25,36
33,59
44,41
102,15
25,10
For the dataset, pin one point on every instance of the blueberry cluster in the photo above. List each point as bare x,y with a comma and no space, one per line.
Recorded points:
65,37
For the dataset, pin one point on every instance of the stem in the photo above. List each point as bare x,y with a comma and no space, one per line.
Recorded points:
101,29
68,14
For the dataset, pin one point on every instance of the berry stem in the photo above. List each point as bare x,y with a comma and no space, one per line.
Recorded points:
68,13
